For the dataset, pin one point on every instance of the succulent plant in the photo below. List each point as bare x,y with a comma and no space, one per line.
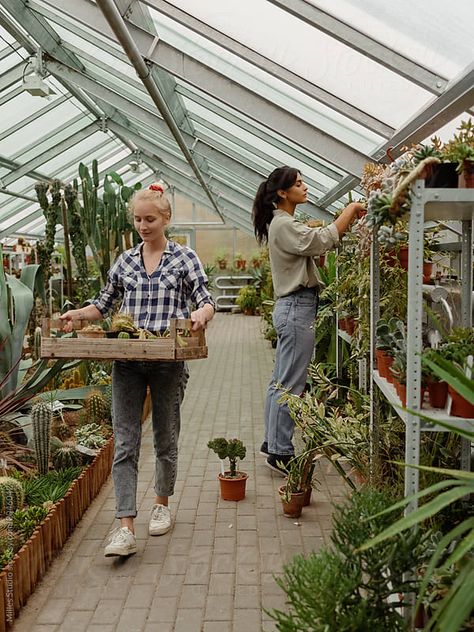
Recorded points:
66,457
123,322
90,436
12,495
41,422
124,335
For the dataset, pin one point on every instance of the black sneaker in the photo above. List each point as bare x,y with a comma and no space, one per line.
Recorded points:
278,463
264,449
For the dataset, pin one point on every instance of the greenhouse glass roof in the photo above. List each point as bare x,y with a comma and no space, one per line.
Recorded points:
211,96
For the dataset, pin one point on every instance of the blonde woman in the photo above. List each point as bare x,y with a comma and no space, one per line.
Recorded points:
156,281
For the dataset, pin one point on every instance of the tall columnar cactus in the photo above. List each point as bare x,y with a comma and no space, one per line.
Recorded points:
37,344
51,211
78,238
41,422
12,495
66,457
97,408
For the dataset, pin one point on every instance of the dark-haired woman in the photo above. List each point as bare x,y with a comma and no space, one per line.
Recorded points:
292,246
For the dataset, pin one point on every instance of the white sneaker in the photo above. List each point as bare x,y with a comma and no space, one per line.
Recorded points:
121,542
160,520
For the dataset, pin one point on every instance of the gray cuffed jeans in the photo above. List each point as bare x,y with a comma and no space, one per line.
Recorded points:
293,318
167,381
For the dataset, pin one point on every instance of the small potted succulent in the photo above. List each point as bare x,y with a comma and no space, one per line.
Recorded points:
460,150
232,481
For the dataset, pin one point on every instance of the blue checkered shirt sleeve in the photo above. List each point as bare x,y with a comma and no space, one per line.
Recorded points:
112,291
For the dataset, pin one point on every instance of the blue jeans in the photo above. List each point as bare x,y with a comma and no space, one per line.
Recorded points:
293,319
167,381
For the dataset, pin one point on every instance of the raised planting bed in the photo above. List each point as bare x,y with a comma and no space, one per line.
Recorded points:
182,344
19,578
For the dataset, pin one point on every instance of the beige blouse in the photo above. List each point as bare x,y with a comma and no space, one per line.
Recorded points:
292,246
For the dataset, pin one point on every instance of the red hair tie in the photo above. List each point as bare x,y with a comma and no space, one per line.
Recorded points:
156,187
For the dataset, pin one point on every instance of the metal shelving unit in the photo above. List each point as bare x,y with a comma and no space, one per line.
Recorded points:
427,205
229,286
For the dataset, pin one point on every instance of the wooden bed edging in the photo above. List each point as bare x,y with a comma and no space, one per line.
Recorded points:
19,579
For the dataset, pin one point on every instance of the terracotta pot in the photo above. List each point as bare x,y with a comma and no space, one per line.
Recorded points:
389,362
403,257
249,312
307,496
390,258
294,507
437,394
342,324
350,324
233,488
466,179
381,358
443,176
427,271
460,407
322,261
402,393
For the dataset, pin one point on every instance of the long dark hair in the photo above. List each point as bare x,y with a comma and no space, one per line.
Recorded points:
267,198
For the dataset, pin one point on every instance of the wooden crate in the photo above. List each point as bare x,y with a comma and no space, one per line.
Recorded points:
165,349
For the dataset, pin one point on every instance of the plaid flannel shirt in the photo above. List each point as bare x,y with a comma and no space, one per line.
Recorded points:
152,300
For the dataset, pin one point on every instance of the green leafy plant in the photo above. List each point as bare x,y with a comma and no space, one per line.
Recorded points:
231,449
455,549
50,487
247,298
25,521
342,588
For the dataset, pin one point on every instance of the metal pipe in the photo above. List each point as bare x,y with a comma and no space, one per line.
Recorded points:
18,195
118,26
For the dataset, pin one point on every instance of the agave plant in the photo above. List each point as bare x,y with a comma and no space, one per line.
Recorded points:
456,548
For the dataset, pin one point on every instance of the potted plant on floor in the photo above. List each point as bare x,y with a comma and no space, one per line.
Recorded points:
232,481
292,492
248,300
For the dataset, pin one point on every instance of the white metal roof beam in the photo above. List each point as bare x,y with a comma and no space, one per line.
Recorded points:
264,135
33,117
190,188
207,149
11,76
364,44
223,89
137,58
38,213
458,96
267,136
29,166
269,66
167,158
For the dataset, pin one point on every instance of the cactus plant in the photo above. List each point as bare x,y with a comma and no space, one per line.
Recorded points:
97,408
66,457
41,422
123,335
36,350
12,495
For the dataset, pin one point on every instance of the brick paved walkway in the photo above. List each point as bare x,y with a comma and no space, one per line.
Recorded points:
214,571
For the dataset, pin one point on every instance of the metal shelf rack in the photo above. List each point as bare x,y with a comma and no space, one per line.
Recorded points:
427,205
